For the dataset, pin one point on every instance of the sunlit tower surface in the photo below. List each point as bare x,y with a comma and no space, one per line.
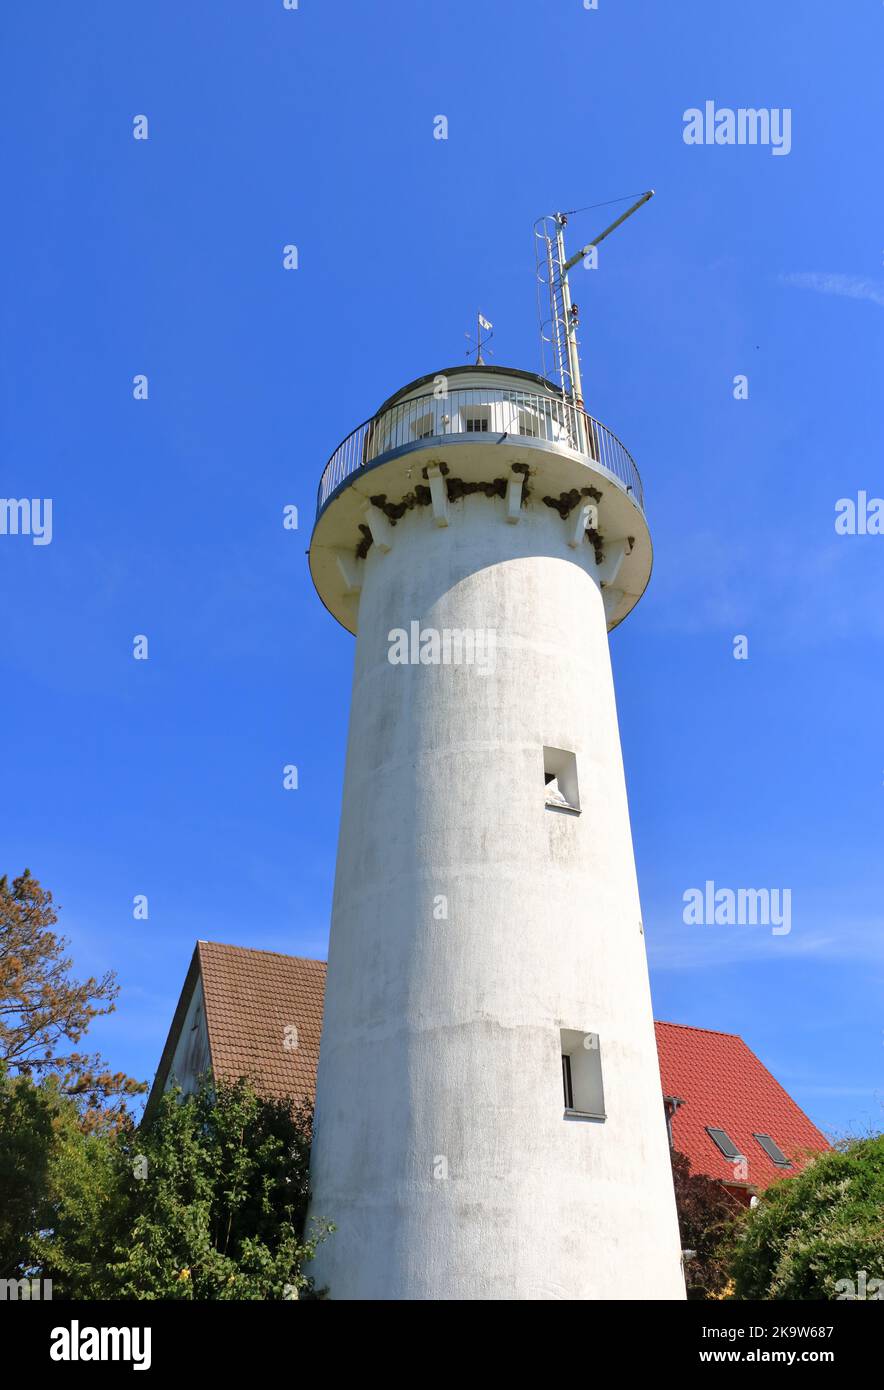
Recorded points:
489,1118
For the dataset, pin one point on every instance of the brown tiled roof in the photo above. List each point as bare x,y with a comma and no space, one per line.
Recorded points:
253,1001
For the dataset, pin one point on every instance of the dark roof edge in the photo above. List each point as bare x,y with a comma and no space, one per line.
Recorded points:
472,368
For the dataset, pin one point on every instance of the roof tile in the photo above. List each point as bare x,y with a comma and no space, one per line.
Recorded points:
264,1016
723,1084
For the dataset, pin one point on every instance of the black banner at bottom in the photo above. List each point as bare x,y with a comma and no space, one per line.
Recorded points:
62,1339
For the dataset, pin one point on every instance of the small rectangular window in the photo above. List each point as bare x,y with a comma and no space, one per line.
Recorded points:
722,1139
582,1073
477,424
773,1150
560,779
569,1085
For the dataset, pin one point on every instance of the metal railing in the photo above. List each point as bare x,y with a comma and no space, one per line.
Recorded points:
483,411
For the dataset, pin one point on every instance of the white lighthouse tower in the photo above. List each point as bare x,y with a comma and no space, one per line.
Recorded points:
489,1119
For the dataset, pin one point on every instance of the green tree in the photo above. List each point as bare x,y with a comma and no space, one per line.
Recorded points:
206,1202
44,1150
26,1139
821,1227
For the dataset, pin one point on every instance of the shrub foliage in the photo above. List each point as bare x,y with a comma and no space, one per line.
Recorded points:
816,1231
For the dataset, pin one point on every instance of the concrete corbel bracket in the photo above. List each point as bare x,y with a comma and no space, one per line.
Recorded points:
379,526
438,494
577,523
609,569
514,499
611,599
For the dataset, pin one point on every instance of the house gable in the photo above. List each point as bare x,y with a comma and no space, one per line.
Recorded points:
256,1014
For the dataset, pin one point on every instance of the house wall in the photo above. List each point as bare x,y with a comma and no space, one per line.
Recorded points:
191,1057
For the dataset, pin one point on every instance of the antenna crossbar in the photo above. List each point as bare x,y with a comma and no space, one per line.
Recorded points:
557,313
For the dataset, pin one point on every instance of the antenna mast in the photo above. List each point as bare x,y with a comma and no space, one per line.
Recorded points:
559,328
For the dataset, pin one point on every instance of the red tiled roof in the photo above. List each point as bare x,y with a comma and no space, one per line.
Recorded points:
253,999
723,1084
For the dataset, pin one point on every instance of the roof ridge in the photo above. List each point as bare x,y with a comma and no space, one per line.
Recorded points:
691,1028
260,951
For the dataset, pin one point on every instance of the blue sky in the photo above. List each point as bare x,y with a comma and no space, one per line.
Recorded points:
164,257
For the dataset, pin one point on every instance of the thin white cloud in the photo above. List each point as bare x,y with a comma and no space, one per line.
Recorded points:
848,286
725,584
674,946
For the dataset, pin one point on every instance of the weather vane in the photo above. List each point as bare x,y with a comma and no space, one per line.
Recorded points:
482,326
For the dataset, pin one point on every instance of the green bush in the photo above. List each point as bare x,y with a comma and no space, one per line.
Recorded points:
206,1202
821,1227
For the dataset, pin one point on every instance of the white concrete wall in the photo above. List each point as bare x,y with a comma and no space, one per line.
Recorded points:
441,1038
